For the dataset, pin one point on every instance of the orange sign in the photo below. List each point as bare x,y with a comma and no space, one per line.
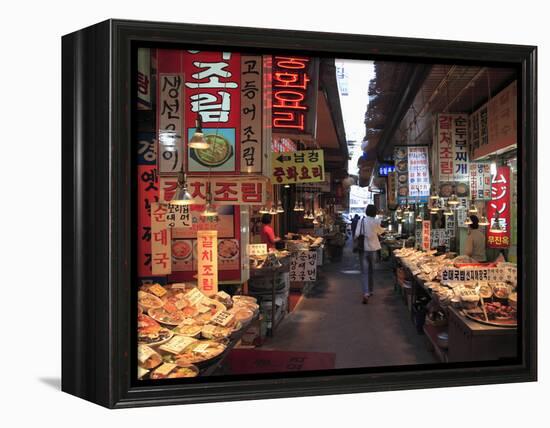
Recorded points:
207,255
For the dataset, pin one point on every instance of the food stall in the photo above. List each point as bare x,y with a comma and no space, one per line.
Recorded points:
468,311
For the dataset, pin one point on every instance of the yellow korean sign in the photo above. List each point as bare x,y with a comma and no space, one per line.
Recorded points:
303,166
207,266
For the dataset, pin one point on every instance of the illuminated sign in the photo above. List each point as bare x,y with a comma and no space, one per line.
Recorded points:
294,90
384,170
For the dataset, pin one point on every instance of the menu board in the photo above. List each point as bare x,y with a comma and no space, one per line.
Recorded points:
303,266
480,181
401,168
419,173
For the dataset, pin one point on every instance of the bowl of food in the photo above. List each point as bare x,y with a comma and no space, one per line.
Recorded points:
148,301
228,249
219,151
461,190
174,371
181,249
446,190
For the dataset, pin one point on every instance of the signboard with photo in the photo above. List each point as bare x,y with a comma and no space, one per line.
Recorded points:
402,176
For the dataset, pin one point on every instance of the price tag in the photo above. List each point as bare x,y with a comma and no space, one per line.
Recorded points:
194,296
180,304
222,318
165,369
144,352
158,290
177,344
202,308
203,347
223,295
209,329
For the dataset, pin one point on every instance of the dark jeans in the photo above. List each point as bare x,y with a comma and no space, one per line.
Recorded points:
366,261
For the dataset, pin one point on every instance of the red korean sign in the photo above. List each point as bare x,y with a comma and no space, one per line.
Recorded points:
207,258
213,93
426,234
500,203
228,190
294,94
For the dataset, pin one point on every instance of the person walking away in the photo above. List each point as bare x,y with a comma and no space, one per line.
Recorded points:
475,242
368,230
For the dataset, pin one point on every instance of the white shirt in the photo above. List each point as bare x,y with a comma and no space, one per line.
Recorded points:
370,228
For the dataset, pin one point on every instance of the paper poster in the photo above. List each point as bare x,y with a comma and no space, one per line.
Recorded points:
161,244
207,255
251,114
303,266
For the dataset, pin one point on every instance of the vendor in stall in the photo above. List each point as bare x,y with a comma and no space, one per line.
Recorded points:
475,242
267,234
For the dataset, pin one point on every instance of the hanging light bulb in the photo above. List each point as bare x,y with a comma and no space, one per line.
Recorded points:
296,206
483,221
273,211
182,196
280,208
197,140
301,206
453,200
263,210
468,221
209,211
448,211
315,221
419,218
286,186
473,209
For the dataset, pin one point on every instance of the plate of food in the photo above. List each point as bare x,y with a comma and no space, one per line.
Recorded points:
401,166
182,249
228,249
498,314
218,153
174,371
400,153
189,330
166,317
148,301
200,352
148,358
445,190
151,332
216,332
403,190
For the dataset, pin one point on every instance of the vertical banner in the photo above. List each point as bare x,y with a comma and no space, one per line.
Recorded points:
480,181
452,151
303,266
426,235
212,92
419,175
402,169
460,154
147,193
500,203
170,110
251,114
392,189
161,242
207,263
294,95
144,79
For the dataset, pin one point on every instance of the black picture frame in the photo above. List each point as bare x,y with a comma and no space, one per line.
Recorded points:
97,211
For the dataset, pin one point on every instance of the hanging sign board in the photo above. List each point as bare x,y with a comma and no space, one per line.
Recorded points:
207,263
480,181
251,114
294,95
419,173
161,245
426,235
303,166
499,203
213,93
225,190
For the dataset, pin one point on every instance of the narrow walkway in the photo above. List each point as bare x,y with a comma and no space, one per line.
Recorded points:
333,319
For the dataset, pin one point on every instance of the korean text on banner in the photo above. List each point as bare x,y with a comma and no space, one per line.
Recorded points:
303,266
480,181
212,93
303,166
207,254
499,207
147,193
251,114
161,241
419,173
426,234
